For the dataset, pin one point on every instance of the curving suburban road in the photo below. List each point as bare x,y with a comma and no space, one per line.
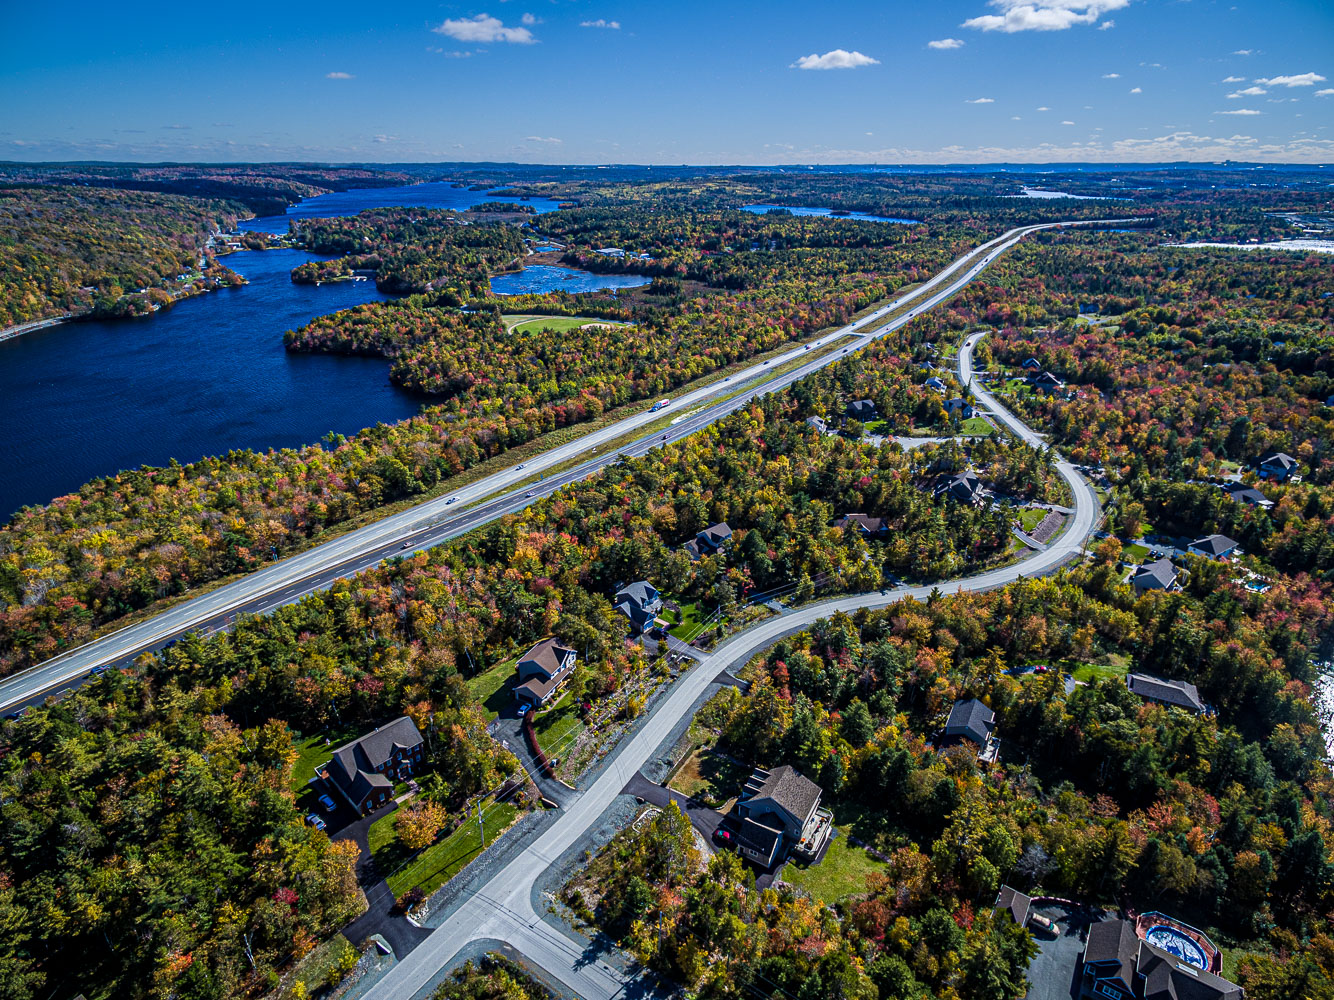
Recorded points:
502,911
430,523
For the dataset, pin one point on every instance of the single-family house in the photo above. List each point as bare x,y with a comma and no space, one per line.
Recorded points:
1013,902
1278,466
1032,364
1179,694
934,382
863,410
926,366
971,720
709,541
873,527
1158,575
1046,383
362,773
1248,495
1120,965
640,602
1212,547
964,487
818,423
960,406
543,671
778,812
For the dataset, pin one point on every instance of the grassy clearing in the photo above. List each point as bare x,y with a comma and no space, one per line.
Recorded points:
977,426
531,323
436,865
842,872
493,689
710,776
1030,518
312,751
688,621
557,728
1134,553
1115,665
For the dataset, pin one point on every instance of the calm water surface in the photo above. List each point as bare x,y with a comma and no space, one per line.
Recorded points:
541,278
342,203
809,210
83,400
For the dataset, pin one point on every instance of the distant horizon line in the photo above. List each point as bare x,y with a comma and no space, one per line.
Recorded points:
1021,166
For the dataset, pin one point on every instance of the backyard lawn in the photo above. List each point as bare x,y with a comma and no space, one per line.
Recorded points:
976,426
436,865
711,777
842,872
1030,518
492,688
557,727
312,752
689,621
1118,666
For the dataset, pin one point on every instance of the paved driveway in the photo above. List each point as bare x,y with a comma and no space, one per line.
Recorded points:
1054,973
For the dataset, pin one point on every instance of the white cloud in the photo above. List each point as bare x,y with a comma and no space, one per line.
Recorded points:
981,100
1248,92
601,22
1067,123
338,76
1015,118
530,20
1239,111
1137,90
1043,15
1234,79
1299,80
550,140
835,59
945,43
1327,92
1243,52
1107,25
1044,108
1111,76
483,28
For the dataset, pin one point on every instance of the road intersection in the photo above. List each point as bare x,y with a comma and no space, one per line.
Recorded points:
437,520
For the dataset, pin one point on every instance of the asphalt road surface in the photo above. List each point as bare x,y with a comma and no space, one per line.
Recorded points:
432,522
502,910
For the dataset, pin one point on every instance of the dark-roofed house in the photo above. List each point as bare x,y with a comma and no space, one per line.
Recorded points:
1046,382
965,487
778,811
640,602
926,366
364,771
1119,965
1015,903
708,541
1032,364
1158,575
818,423
863,410
543,670
934,382
874,527
1278,466
1177,693
972,720
1213,547
1248,495
960,406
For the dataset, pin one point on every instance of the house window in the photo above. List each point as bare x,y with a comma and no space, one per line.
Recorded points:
1108,990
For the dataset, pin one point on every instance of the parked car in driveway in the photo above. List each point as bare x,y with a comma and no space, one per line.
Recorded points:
327,804
315,821
523,709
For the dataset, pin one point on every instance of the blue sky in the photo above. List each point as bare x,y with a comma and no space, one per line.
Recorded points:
583,81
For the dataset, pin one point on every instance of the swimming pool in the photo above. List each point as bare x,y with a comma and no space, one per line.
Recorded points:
1172,941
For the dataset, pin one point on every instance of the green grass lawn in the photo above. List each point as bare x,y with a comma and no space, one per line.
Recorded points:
1117,666
711,777
977,426
493,687
1134,553
526,323
436,865
1029,519
687,625
557,727
312,752
842,872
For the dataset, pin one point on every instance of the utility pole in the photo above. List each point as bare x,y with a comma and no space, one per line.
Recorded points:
481,830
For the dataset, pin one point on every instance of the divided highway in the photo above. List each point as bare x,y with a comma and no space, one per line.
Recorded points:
432,522
503,910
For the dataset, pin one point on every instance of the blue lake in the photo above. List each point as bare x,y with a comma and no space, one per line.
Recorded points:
436,194
83,400
541,278
823,212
